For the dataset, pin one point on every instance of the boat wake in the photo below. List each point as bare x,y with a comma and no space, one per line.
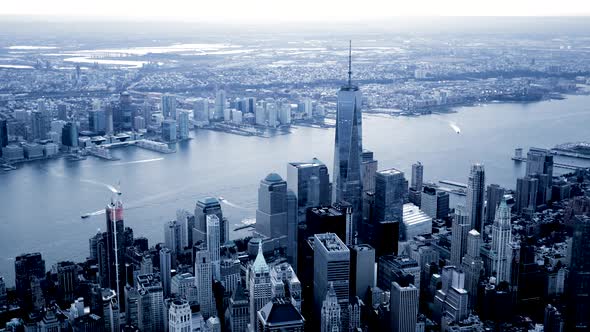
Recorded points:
137,162
455,127
225,201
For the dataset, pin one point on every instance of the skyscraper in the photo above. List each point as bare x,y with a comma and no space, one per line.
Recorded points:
494,194
404,305
331,267
279,315
415,191
260,286
311,184
169,106
151,303
472,265
271,215
3,134
330,316
165,270
526,195
115,248
348,147
179,316
369,169
452,299
169,130
390,189
501,238
213,244
204,207
173,239
204,283
434,202
183,125
579,277
220,103
239,310
460,228
26,268
123,120
475,196
362,269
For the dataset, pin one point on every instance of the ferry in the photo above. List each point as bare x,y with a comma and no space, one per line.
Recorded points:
84,216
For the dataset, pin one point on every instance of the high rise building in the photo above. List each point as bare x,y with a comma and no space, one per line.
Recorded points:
67,280
183,125
271,215
579,277
434,202
348,147
279,315
239,310
3,297
385,237
472,265
183,286
40,124
151,303
362,269
368,170
329,219
165,270
115,248
330,315
97,121
169,130
415,222
417,176
286,284
213,246
26,268
260,287
169,106
475,196
460,229
404,305
526,195
501,238
173,239
179,317
452,299
204,207
394,268
220,103
390,190
124,115
3,134
331,267
494,194
69,135
204,283
230,274
310,182
201,110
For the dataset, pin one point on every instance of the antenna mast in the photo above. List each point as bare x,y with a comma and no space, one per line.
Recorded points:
349,62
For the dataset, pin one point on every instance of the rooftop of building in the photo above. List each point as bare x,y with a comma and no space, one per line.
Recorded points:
273,177
280,312
390,171
331,242
208,201
413,215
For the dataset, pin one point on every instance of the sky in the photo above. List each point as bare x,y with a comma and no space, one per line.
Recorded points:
261,11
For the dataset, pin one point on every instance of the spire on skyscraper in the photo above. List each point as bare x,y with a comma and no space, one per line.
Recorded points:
260,265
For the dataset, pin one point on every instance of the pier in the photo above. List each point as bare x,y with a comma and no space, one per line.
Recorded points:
558,165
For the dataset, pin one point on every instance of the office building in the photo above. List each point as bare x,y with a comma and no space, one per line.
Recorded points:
451,301
494,194
460,229
201,111
292,228
169,130
390,191
173,239
204,283
169,107
151,303
415,222
27,267
97,121
124,115
330,315
579,277
213,236
40,124
475,196
279,315
404,305
501,239
417,176
434,202
271,215
179,316
310,182
139,123
329,219
67,280
260,286
183,286
393,268
331,267
69,135
348,147
204,207
526,195
230,276
239,310
472,265
362,269
540,163
385,237
368,170
166,271
3,134
286,284
3,297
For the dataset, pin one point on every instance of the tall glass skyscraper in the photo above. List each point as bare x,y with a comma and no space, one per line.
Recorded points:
348,148
475,196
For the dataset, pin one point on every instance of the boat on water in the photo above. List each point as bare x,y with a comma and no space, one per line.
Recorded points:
84,216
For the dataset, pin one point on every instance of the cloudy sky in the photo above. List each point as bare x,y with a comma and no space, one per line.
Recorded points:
291,10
